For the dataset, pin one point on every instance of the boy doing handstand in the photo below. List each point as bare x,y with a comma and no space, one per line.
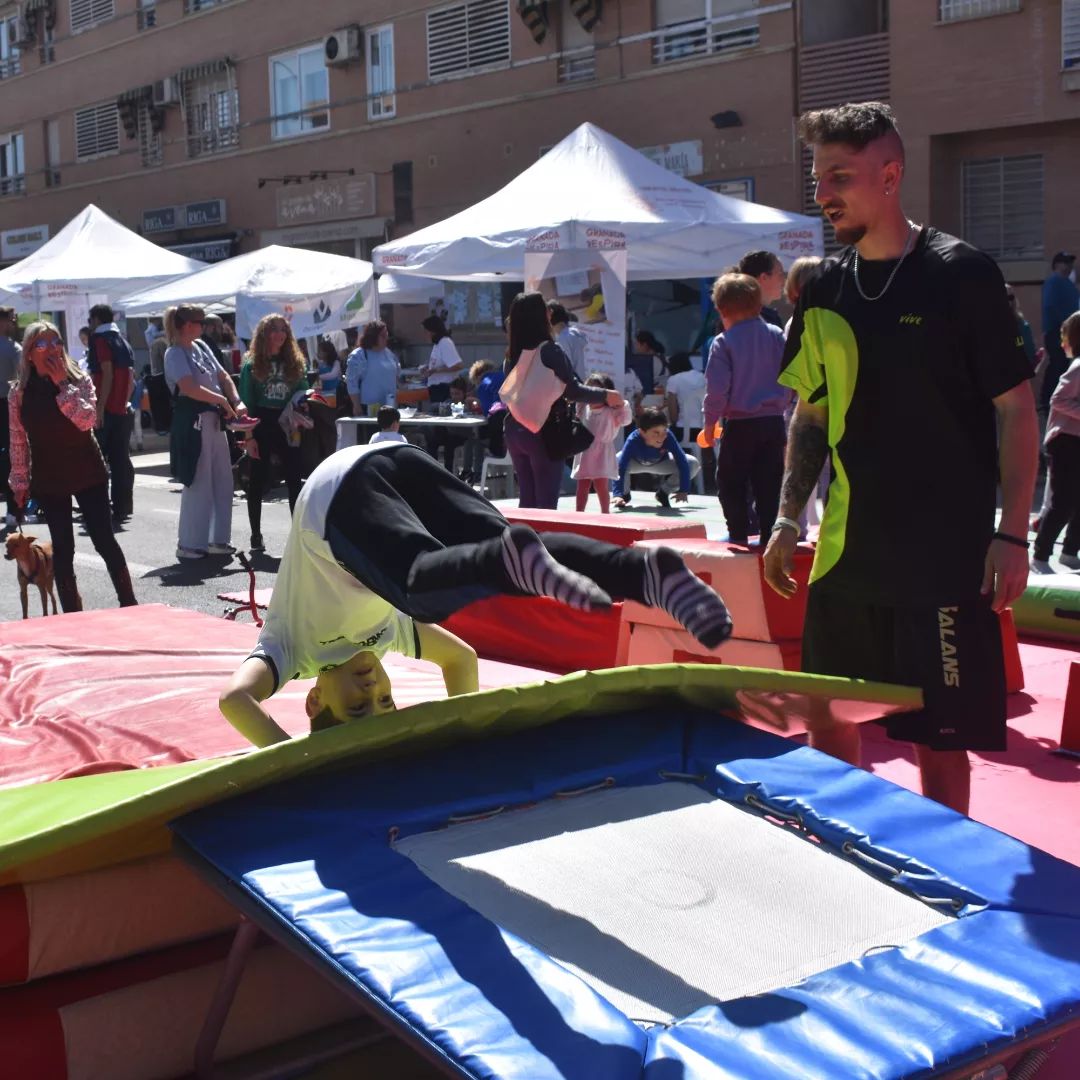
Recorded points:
384,544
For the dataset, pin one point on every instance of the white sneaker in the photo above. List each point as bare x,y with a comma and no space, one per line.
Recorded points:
221,549
1070,561
190,553
1041,566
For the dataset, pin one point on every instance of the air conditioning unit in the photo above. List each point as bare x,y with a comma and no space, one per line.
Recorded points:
166,91
344,46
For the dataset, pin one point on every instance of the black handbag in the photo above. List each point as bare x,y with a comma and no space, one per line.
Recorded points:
563,433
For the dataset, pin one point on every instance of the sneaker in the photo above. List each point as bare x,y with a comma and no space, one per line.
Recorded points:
256,542
190,553
1071,562
1041,566
663,499
221,549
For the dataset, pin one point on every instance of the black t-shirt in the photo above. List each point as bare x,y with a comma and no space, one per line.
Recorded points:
909,382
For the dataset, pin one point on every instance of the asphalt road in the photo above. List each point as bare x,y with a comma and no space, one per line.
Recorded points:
149,543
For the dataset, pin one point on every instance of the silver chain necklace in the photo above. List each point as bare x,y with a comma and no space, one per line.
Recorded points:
895,269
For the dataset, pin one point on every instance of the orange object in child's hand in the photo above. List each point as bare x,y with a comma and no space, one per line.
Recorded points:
705,439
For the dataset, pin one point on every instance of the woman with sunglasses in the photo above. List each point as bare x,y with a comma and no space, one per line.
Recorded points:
204,397
52,409
272,374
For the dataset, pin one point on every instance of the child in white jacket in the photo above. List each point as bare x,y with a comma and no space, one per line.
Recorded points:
597,466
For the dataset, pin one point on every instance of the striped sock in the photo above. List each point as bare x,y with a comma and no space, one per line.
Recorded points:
532,570
671,586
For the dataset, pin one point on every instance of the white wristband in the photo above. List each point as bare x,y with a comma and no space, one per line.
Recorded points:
787,523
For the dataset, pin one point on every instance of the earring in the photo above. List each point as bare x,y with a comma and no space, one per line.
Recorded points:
888,192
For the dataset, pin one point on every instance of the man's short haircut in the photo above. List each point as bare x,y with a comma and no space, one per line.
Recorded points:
651,418
557,312
1070,332
102,312
7,314
386,417
756,263
856,125
737,296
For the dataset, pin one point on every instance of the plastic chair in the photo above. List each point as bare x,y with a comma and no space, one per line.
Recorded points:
503,465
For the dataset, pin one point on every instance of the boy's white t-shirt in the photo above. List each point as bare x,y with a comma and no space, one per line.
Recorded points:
320,615
387,437
688,388
443,355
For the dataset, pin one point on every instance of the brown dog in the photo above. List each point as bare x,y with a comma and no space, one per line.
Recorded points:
34,558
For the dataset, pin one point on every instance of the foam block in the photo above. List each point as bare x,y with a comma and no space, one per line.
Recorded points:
619,529
666,645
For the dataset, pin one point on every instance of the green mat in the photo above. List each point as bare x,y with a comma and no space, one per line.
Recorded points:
67,826
1050,607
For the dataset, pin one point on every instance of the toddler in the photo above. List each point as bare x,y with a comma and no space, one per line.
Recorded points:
597,466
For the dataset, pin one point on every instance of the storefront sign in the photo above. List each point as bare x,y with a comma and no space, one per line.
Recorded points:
743,188
208,251
681,158
197,215
162,220
201,214
327,200
18,243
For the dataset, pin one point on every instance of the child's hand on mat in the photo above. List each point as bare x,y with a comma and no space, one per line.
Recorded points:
619,502
682,496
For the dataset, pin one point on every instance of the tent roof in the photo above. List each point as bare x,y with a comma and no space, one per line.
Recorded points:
270,273
674,228
92,255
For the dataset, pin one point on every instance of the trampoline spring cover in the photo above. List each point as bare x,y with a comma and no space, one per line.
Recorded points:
665,899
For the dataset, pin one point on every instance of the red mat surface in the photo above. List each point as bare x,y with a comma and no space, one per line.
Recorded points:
133,687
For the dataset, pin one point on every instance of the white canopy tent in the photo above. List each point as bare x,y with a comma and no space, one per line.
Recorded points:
92,259
316,291
590,182
409,289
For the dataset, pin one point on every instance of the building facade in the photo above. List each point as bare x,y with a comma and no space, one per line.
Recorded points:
218,126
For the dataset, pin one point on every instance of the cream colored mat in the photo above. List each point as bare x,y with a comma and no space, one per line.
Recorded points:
664,899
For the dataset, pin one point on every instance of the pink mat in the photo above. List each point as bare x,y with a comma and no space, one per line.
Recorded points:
1026,791
133,687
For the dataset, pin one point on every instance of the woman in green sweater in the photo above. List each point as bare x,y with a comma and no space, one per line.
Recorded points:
272,374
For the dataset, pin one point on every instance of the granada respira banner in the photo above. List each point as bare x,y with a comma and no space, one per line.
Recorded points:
311,316
589,280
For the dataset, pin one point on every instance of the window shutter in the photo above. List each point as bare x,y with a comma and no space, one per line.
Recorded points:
468,36
87,13
1003,206
97,131
1070,33
950,10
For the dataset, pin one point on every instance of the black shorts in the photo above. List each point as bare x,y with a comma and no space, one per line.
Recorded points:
953,654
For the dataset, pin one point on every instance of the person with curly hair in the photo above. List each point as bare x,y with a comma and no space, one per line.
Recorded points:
272,374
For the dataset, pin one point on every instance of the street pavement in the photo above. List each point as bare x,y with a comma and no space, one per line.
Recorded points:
149,543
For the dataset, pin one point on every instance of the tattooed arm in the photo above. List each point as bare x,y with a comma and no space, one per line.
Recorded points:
807,452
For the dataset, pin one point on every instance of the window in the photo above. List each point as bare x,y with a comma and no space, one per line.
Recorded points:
1070,34
380,73
97,131
211,108
951,10
578,60
9,45
12,164
300,92
151,145
192,6
468,37
1003,206
88,13
52,153
697,27
146,16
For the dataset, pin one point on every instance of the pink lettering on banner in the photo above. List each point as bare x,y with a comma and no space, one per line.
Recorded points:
796,242
545,241
393,260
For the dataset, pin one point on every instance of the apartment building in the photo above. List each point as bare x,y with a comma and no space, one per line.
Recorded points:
217,126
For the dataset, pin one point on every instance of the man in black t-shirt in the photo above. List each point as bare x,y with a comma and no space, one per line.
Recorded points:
911,375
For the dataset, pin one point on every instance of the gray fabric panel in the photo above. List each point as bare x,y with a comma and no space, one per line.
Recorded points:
664,899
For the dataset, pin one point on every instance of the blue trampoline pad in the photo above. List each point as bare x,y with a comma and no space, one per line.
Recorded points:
735,927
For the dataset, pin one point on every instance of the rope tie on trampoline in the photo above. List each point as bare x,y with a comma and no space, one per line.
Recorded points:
570,793
783,815
667,774
848,848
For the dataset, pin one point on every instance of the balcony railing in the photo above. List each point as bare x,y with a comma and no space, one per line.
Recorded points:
12,185
704,37
578,66
10,65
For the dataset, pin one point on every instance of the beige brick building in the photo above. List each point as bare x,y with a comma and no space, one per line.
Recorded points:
217,126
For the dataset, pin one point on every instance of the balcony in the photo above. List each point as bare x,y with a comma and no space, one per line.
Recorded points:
705,37
577,65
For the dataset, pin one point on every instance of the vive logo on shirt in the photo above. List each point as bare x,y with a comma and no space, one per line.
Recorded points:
367,643
911,320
